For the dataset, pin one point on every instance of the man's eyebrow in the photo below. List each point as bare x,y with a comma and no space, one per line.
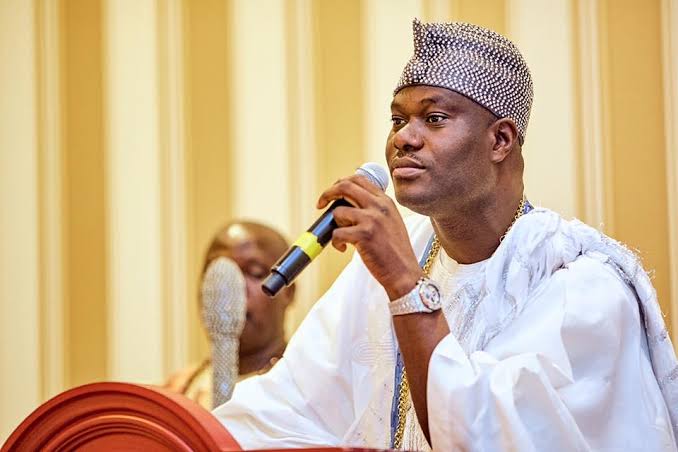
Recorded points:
426,100
432,100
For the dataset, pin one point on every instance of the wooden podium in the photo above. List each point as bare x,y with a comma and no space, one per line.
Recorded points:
123,417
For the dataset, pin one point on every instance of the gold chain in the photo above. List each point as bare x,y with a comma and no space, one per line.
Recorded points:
403,406
519,213
435,248
404,387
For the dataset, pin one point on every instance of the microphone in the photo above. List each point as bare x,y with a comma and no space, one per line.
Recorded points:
313,241
224,305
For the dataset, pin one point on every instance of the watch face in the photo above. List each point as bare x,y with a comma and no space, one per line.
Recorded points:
430,295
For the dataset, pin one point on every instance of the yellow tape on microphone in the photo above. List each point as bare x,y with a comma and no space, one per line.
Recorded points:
308,244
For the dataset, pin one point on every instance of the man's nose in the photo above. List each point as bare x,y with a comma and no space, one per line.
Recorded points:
408,138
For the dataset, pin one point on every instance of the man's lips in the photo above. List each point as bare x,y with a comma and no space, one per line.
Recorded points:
407,172
405,168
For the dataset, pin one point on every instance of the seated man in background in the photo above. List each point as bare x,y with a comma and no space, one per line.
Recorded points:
253,249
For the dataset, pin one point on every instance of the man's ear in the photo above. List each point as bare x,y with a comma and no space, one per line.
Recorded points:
505,138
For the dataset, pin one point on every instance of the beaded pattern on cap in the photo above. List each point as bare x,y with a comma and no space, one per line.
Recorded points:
475,62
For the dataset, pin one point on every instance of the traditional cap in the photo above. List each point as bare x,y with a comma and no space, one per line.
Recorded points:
474,61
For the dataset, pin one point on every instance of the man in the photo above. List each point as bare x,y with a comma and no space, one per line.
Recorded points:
482,323
253,248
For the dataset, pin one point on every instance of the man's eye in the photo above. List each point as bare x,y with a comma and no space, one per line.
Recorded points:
397,122
433,119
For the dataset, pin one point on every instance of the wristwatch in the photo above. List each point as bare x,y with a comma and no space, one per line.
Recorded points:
425,297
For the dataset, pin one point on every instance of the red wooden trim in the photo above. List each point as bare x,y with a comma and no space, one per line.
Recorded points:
99,416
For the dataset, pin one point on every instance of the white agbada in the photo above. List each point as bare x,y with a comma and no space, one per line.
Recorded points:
547,351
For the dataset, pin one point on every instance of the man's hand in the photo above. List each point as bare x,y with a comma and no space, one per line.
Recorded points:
376,229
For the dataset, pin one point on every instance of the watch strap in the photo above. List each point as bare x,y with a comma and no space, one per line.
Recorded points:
410,302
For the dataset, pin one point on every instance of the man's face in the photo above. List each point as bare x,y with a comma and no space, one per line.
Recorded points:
253,252
438,149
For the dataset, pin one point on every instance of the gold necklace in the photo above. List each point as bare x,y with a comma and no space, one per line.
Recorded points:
519,213
404,387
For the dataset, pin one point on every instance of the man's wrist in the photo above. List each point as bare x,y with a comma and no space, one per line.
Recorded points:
403,285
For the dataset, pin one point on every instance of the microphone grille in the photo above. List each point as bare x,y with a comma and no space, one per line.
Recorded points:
375,173
224,298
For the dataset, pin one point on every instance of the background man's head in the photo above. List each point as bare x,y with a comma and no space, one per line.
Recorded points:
255,248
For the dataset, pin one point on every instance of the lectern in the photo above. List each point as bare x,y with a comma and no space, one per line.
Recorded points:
123,417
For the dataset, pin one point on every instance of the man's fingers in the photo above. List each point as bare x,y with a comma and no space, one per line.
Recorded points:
355,189
339,246
347,216
362,232
347,189
367,185
343,236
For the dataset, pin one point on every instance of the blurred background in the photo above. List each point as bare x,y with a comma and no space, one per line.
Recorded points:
131,130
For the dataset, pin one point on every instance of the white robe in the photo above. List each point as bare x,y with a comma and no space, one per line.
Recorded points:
555,357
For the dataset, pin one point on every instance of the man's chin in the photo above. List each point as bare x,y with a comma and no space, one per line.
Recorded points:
414,201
